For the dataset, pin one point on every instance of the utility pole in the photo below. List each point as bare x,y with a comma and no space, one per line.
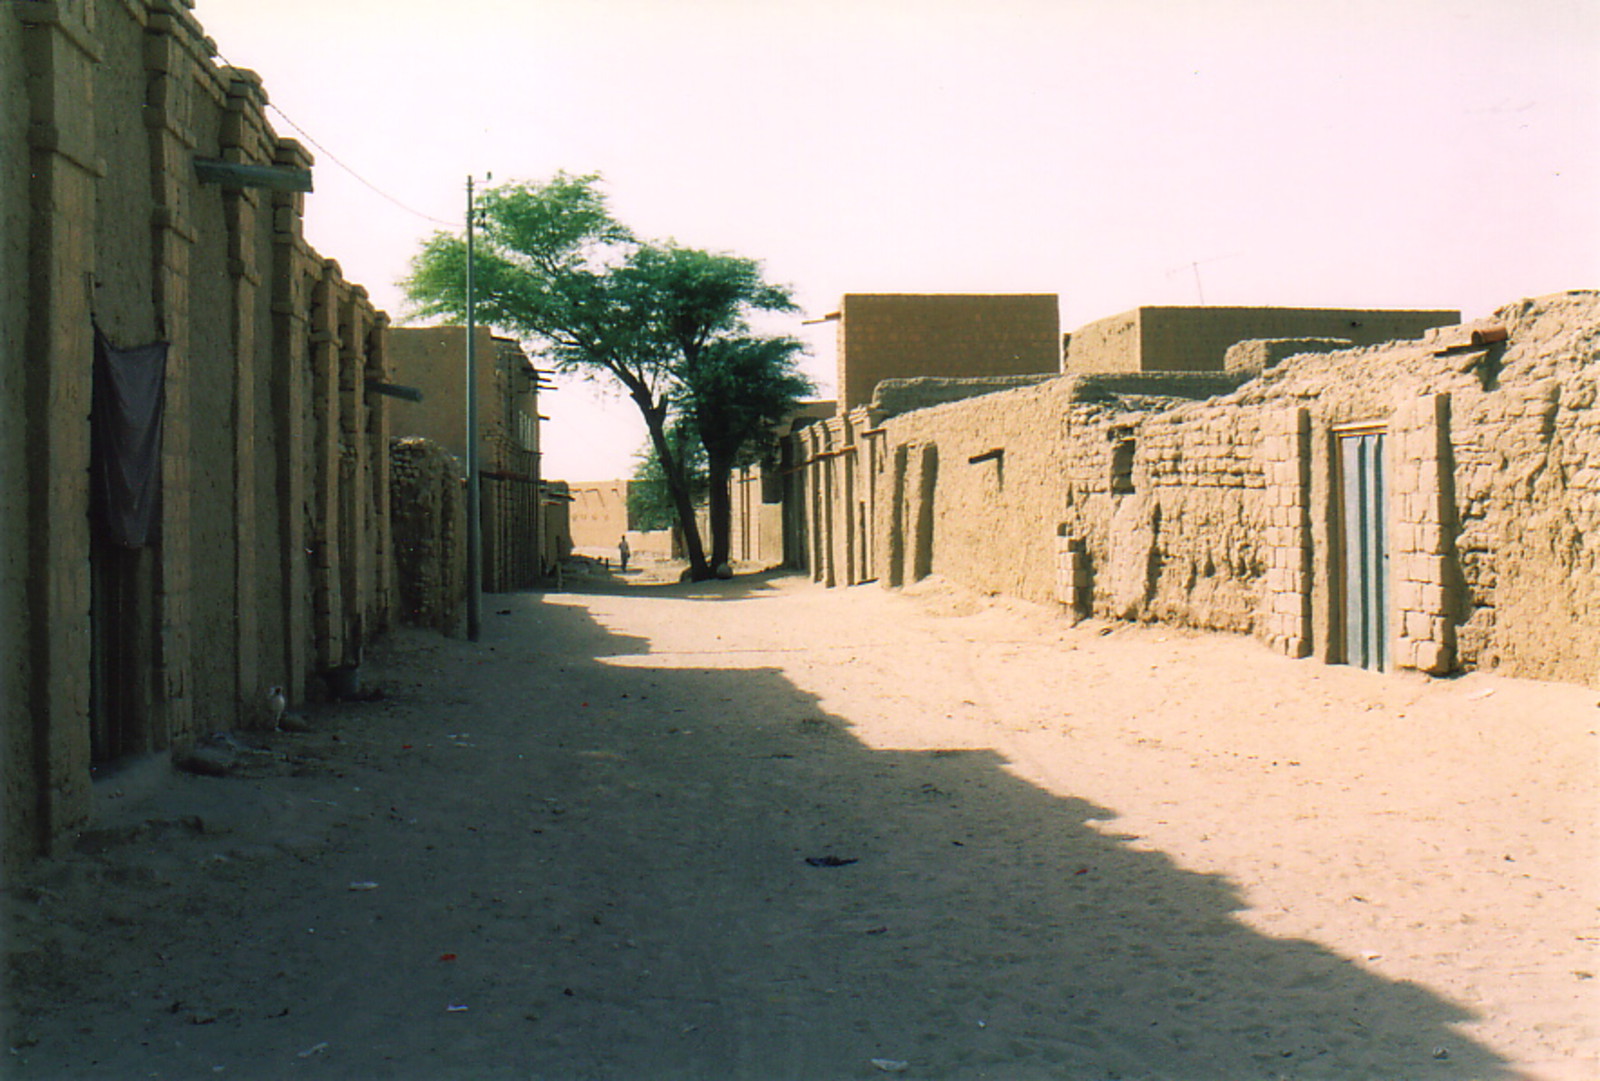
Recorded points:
474,521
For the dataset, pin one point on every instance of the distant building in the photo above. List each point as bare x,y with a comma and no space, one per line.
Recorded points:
432,360
599,511
894,335
1195,339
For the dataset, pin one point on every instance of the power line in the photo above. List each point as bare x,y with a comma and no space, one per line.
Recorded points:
331,156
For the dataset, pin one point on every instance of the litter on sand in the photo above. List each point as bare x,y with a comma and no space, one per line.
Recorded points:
314,1049
829,861
361,887
890,1065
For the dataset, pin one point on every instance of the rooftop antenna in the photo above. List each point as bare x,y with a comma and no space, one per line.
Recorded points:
1194,267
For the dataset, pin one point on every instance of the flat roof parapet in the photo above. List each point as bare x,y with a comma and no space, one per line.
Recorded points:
893,397
1191,386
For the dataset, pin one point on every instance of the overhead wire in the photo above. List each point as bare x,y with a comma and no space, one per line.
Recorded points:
331,156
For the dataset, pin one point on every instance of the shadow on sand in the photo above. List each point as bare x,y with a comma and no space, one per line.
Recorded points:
986,928
591,865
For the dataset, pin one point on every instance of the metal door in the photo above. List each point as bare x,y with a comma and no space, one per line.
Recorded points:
1366,549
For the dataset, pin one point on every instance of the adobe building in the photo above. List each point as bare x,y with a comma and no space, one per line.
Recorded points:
1197,339
598,513
891,335
195,510
1425,503
433,362
599,518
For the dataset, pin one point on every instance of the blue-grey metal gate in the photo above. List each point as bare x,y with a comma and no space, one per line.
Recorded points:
1366,549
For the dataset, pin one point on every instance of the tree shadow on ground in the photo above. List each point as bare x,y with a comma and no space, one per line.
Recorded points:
644,871
985,928
592,577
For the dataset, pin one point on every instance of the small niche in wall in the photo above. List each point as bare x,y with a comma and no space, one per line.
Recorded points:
1122,450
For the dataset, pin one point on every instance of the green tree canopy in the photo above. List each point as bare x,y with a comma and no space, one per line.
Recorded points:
650,504
670,324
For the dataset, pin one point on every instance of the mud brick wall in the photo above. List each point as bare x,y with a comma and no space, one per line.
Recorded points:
1525,537
598,514
1196,339
509,489
756,519
975,488
429,514
1185,541
432,360
883,336
272,557
18,339
1226,513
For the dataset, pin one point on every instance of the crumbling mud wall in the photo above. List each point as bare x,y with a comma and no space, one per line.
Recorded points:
1496,495
430,522
269,557
1115,497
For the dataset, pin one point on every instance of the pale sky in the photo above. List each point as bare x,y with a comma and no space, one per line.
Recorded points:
1320,153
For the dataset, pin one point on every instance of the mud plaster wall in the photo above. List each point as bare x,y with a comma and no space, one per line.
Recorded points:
510,485
1169,507
1496,505
598,513
117,228
209,372
1196,339
756,518
16,744
998,495
1224,513
433,360
882,336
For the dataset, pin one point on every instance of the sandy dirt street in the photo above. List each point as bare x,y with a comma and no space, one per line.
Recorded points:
761,830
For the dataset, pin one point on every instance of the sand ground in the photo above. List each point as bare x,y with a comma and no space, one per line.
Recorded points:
758,829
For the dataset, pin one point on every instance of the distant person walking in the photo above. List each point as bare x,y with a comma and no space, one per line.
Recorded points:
623,552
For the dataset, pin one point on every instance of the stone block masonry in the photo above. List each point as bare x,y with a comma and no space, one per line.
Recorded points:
1123,500
1285,456
428,502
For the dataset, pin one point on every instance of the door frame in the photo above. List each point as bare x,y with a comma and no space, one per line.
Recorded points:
1375,652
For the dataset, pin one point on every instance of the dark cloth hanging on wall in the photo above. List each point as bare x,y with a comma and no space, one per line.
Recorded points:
126,419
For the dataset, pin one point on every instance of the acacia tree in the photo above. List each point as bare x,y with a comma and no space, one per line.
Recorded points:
738,391
649,503
555,267
731,387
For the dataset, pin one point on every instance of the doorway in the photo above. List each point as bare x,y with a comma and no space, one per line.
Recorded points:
1366,547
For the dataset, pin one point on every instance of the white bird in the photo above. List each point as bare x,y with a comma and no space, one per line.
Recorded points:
276,704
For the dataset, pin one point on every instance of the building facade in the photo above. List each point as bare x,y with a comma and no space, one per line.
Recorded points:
195,508
433,361
1426,503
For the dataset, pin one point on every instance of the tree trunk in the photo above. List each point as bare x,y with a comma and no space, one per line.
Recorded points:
678,488
719,468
